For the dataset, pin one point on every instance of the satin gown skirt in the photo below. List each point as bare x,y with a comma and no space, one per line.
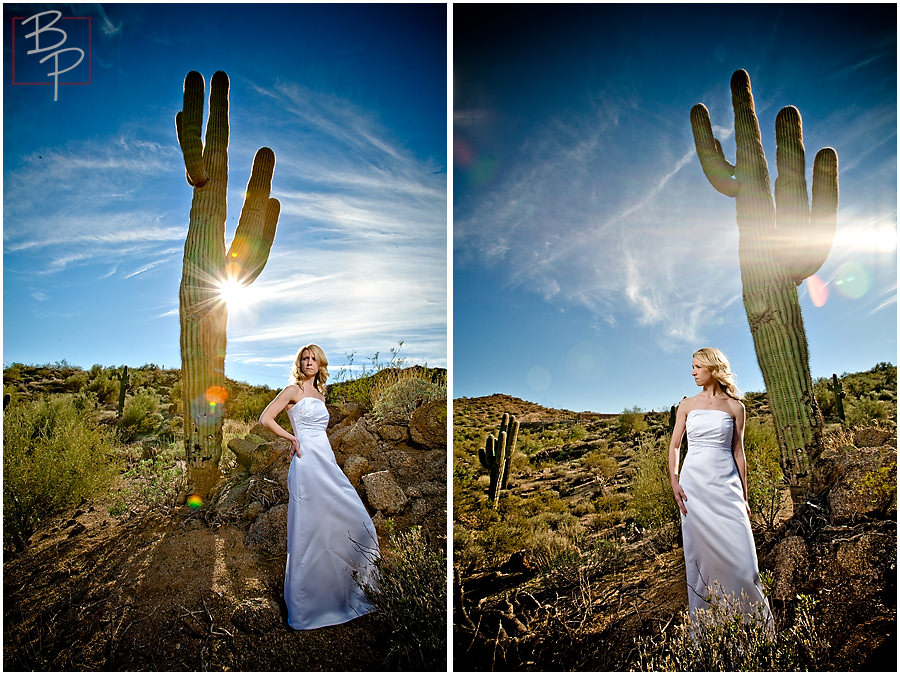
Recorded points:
331,541
719,552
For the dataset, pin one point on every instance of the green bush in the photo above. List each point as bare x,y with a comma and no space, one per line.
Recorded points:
401,398
105,385
140,416
599,461
867,412
631,421
653,502
247,406
410,599
765,481
53,456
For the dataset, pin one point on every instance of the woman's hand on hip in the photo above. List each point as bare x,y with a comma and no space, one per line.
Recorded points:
295,447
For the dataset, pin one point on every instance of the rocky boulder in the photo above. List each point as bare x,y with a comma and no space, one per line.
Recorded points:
428,425
383,493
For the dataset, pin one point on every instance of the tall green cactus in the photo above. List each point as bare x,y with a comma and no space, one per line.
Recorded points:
123,385
203,313
838,390
780,245
493,458
510,426
496,456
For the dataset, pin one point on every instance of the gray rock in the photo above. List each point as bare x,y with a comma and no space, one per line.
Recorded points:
383,493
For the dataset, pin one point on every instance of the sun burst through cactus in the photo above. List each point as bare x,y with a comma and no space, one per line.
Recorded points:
235,294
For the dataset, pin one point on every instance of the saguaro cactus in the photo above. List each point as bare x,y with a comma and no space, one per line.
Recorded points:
123,385
838,390
496,456
493,458
780,245
206,268
510,426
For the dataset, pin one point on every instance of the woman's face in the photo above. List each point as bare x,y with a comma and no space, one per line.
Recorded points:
309,366
702,374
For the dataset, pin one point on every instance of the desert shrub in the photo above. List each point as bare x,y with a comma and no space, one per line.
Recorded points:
53,456
653,502
880,484
399,400
609,510
765,481
140,415
866,412
104,385
598,461
77,380
247,406
631,421
410,599
723,639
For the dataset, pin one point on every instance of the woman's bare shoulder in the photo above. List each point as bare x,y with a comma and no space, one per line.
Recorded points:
687,404
736,408
292,390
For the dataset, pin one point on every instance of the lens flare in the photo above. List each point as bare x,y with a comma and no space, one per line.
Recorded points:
538,378
852,280
194,501
216,395
818,291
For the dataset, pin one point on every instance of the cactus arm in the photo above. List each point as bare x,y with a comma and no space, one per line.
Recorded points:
511,438
755,209
188,125
215,151
717,169
791,242
255,232
823,215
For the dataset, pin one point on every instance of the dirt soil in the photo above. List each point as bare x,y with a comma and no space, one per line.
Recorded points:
160,592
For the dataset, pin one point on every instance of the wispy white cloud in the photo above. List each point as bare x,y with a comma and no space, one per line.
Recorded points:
621,243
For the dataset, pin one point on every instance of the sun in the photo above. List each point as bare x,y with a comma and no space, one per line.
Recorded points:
235,294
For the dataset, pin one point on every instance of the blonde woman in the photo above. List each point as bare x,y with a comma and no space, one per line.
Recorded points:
331,541
711,491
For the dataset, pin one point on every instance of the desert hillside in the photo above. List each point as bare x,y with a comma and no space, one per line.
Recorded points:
580,567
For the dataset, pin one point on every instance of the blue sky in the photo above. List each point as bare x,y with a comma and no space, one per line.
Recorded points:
591,257
352,99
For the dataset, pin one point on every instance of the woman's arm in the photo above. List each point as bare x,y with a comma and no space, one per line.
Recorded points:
674,456
737,448
267,419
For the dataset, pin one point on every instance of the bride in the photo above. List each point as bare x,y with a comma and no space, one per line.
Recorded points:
711,492
331,541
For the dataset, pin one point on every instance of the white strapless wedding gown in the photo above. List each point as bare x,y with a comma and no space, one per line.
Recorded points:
719,553
331,541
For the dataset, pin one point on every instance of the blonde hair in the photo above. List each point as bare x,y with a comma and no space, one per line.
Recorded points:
297,376
712,358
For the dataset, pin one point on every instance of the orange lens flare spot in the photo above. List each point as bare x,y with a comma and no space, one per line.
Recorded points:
234,254
216,395
194,501
818,291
